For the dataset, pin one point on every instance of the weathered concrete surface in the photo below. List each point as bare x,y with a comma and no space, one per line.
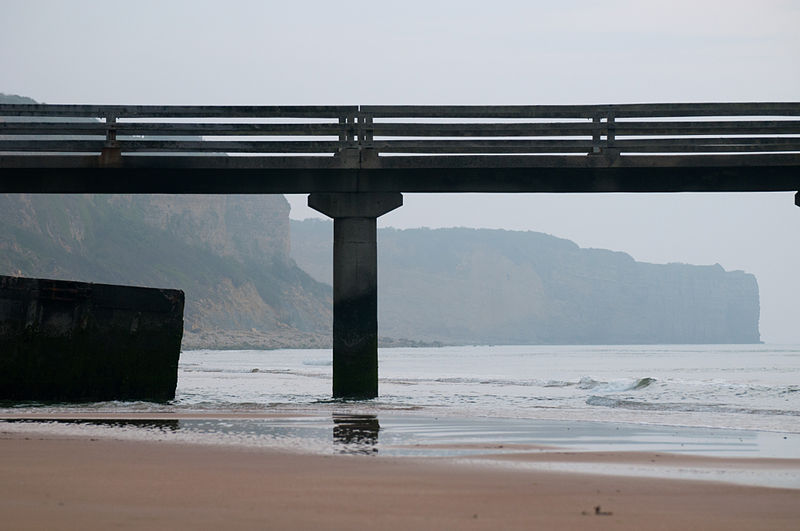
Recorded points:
73,341
355,287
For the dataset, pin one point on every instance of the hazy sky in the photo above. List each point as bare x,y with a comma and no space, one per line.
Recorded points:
487,52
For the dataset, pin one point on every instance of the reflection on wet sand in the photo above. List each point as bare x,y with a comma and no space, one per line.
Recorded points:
160,424
357,433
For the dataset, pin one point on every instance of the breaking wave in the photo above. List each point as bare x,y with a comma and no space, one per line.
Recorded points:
685,407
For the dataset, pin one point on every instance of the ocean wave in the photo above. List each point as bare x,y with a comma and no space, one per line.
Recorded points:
478,381
318,363
559,383
616,386
683,407
253,370
399,381
281,371
586,383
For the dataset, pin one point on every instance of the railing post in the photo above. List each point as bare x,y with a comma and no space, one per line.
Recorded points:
596,146
366,130
111,155
348,145
611,131
599,146
365,137
342,132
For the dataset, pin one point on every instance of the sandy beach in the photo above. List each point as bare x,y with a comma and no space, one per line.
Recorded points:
507,438
57,482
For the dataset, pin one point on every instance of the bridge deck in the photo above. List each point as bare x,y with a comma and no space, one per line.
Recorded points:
256,149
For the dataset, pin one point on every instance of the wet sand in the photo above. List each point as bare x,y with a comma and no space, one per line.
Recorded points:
57,482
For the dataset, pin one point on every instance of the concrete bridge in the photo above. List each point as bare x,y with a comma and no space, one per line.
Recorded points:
356,161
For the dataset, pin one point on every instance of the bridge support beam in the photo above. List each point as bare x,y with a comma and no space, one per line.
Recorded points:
355,287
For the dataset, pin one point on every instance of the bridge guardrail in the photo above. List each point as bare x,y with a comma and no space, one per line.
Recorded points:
611,130
177,130
582,129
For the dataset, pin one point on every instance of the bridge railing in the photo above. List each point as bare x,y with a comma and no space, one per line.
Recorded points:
690,128
611,130
177,130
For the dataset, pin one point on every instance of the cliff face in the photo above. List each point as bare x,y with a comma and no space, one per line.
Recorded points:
490,286
229,254
247,228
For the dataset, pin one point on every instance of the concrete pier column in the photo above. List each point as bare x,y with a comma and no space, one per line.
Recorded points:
355,287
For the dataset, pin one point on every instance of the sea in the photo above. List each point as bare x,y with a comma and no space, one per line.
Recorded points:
753,387
469,402
720,400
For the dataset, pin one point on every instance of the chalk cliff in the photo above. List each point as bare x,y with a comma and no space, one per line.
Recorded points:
505,287
229,254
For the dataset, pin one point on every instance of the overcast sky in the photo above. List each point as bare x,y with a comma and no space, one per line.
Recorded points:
487,52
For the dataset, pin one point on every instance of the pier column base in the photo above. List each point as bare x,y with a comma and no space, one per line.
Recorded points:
355,287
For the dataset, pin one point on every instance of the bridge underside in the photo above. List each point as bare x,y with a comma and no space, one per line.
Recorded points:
493,174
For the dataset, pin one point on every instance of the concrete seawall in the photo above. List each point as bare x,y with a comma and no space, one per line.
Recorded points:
78,342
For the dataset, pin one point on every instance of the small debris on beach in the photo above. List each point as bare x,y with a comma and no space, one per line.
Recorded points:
598,511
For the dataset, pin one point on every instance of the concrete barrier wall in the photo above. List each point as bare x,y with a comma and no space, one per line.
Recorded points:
77,342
